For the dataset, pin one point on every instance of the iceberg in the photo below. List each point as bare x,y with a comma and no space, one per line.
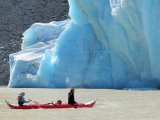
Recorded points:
111,44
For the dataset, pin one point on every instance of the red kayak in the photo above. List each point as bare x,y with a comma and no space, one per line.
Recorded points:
50,106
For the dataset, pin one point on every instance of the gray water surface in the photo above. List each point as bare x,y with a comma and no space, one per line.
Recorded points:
111,105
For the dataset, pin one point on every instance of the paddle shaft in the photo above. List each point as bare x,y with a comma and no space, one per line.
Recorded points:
34,101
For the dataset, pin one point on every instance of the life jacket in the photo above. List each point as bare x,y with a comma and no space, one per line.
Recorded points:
20,102
19,98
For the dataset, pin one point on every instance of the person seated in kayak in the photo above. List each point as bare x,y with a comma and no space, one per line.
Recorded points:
58,102
71,97
21,99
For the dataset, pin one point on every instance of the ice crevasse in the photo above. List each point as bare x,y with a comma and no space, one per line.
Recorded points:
106,44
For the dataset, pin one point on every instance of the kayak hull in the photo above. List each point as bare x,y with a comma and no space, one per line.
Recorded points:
51,106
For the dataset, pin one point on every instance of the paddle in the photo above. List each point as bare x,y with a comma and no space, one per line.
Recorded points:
34,101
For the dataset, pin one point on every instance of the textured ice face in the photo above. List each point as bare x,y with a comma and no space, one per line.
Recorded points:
106,44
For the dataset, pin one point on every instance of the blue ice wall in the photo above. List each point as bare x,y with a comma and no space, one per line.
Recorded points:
105,44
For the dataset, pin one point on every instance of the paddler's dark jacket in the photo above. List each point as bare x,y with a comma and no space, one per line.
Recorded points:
71,98
21,101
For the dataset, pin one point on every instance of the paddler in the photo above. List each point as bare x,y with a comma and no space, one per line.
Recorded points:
71,99
21,99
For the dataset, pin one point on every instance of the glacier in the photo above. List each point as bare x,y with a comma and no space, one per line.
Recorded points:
112,44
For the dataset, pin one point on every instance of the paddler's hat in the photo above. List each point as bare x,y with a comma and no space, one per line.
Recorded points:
22,94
